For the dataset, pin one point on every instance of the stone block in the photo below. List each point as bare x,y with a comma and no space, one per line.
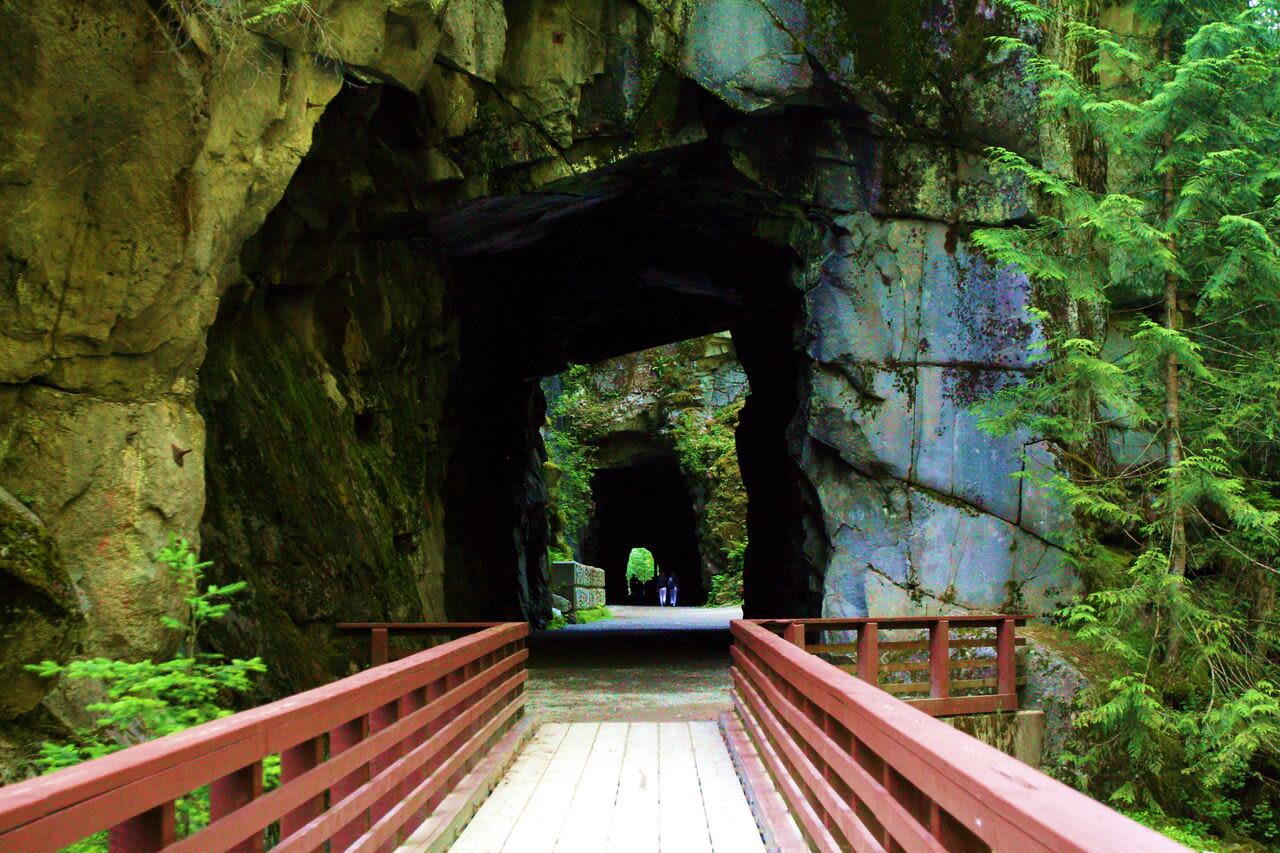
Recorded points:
918,425
585,598
570,574
1020,734
1044,511
475,37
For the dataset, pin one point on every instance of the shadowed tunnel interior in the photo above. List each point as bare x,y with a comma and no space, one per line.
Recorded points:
412,331
649,252
645,505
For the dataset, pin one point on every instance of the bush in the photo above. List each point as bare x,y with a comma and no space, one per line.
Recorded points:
640,567
144,699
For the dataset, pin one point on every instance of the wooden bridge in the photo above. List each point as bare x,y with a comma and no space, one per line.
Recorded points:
434,750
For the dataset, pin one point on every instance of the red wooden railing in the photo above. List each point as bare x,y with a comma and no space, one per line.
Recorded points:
861,770
985,667
363,762
380,634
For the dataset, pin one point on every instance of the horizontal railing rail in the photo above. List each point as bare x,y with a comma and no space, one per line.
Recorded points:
363,761
862,770
380,633
981,664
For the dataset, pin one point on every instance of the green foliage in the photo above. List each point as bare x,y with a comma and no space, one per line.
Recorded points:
1178,253
580,617
242,12
1192,833
574,416
640,566
142,700
591,614
708,451
1191,737
726,588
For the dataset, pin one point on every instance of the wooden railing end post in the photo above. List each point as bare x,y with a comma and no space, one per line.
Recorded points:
1006,660
940,659
869,652
378,651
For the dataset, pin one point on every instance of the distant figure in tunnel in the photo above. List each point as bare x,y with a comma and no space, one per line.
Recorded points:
662,590
672,589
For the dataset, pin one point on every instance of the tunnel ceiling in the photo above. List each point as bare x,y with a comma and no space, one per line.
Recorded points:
654,250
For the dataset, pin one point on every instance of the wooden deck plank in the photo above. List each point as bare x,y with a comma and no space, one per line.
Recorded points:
633,827
440,831
729,819
490,828
586,827
538,826
682,817
622,787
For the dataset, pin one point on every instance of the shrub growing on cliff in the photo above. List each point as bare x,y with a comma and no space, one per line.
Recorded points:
244,13
708,450
1182,231
142,700
574,412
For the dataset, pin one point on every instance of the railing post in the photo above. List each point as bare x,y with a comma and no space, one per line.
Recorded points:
940,659
343,738
238,788
869,653
295,761
1007,663
378,653
380,718
793,632
152,830
435,690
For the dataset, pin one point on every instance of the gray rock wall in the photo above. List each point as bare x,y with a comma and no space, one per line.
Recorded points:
923,511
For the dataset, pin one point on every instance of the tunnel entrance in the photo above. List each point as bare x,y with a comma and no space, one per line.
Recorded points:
400,330
645,505
642,454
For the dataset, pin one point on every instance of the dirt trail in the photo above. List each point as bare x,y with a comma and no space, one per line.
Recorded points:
647,663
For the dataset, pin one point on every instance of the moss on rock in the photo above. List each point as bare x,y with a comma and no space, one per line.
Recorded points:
39,615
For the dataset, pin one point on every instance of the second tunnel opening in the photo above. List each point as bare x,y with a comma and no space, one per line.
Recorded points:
645,505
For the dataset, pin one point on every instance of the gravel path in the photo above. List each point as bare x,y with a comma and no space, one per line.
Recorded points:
647,663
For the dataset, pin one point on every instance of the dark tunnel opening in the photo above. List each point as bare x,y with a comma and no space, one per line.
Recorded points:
399,330
645,505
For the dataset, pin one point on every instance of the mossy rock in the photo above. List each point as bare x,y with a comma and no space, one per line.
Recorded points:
39,615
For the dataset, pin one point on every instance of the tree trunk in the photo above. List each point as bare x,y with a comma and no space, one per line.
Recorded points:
1172,409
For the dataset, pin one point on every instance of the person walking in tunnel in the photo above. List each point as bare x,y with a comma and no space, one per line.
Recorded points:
662,590
672,589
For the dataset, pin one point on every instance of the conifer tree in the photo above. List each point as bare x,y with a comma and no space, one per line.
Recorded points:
1174,255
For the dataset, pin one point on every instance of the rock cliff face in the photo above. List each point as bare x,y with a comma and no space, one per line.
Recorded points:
290,290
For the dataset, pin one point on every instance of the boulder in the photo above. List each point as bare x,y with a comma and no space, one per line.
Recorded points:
737,50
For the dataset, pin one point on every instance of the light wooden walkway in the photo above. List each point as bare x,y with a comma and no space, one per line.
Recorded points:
616,786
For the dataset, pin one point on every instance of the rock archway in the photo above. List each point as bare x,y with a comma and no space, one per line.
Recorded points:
358,316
